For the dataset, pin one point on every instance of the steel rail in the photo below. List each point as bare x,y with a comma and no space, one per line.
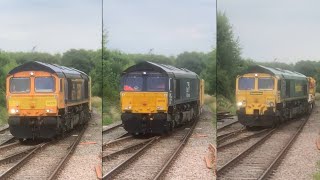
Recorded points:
223,146
23,161
4,129
14,156
125,149
282,153
245,152
118,168
227,125
175,154
7,141
72,148
111,128
117,140
223,137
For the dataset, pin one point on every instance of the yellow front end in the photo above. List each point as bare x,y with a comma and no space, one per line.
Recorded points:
32,105
144,102
257,101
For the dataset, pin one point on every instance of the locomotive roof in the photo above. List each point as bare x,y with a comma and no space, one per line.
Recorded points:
61,71
162,68
276,72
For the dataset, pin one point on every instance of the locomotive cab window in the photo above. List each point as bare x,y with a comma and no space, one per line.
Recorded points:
265,83
156,83
246,83
132,83
20,85
44,84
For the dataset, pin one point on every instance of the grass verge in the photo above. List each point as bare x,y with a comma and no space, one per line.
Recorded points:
224,104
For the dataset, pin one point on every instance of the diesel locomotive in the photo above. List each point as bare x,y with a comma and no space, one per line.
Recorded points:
46,100
269,96
155,98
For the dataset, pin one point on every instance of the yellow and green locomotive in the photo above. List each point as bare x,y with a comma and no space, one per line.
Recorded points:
268,96
46,100
155,98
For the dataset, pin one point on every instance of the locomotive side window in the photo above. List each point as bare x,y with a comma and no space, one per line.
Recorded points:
265,83
246,83
44,84
156,83
20,85
61,89
133,83
279,85
178,89
288,88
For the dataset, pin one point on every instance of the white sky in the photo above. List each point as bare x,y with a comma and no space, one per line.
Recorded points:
168,27
52,26
287,30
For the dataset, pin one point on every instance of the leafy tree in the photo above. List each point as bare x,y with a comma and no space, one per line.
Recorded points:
228,57
191,60
79,59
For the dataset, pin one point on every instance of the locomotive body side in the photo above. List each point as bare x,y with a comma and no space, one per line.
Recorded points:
267,96
46,100
155,99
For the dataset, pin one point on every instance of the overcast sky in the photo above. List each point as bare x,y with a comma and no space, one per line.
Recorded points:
52,26
288,30
168,27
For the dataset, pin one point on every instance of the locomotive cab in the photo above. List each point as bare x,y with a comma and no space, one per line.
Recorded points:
155,98
257,95
144,101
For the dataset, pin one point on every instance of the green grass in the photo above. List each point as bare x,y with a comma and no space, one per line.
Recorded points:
317,96
96,103
111,114
316,175
224,104
3,116
210,101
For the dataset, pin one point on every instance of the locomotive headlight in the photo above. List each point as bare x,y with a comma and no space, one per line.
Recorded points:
49,110
12,111
239,104
159,107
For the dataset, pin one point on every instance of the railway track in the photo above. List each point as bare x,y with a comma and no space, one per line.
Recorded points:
4,130
223,137
55,154
223,128
111,128
259,159
155,149
6,137
115,132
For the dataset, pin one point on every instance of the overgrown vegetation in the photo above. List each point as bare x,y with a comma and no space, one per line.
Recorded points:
84,60
230,64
